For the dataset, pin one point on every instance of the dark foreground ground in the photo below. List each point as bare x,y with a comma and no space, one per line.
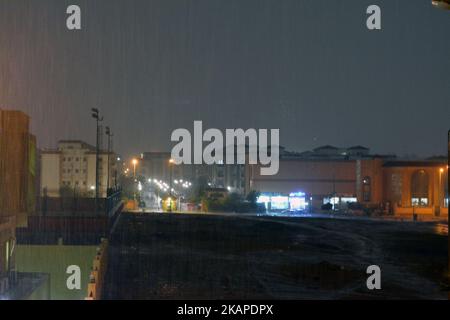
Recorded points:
162,256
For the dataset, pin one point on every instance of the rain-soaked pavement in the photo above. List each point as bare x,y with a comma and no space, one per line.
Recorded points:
176,256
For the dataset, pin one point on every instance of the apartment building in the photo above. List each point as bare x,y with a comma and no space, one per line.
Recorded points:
71,169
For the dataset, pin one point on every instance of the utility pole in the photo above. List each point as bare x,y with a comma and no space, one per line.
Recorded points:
448,187
110,135
98,119
171,162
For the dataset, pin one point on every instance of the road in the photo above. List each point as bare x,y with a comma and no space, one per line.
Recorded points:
178,256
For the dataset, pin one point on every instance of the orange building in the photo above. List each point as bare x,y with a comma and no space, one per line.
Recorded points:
342,175
421,186
17,182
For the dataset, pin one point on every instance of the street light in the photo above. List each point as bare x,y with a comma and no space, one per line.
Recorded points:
134,162
171,163
441,171
96,115
110,135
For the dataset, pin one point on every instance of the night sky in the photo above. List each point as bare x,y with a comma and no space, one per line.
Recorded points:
310,68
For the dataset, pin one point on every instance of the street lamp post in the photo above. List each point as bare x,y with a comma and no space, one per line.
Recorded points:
171,162
98,119
110,135
134,162
441,171
448,170
448,187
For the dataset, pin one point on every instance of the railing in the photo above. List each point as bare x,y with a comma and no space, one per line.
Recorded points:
112,202
81,206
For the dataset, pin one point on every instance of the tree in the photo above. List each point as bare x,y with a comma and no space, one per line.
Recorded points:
252,196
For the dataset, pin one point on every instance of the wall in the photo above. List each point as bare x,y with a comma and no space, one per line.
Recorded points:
316,177
14,162
50,173
54,260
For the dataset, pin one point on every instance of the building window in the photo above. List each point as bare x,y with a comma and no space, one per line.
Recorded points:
367,186
419,188
396,187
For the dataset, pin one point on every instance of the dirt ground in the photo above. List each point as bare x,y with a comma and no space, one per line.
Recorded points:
174,256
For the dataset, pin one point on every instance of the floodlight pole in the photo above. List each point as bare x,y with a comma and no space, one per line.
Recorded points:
448,189
98,119
110,135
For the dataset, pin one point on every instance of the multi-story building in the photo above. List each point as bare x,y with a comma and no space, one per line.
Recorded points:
72,168
17,175
156,165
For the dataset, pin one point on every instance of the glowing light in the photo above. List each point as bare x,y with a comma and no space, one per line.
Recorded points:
263,199
297,194
280,202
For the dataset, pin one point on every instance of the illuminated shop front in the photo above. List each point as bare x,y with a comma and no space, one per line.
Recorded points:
295,201
340,201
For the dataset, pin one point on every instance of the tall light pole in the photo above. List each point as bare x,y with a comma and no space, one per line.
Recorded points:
444,194
110,135
98,119
441,171
134,162
171,162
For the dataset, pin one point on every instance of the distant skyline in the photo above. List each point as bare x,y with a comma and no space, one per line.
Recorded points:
309,68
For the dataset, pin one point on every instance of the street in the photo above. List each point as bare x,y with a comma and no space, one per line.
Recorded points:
176,256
